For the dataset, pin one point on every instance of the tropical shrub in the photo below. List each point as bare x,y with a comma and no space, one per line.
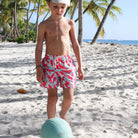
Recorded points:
10,40
32,35
21,39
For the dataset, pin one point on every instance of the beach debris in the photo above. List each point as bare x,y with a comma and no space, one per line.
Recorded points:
113,44
135,130
85,69
22,91
5,112
105,131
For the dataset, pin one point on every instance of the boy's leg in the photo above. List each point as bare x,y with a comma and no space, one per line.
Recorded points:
51,103
67,101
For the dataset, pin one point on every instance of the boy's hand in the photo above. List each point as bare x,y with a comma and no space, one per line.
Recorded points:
80,73
40,75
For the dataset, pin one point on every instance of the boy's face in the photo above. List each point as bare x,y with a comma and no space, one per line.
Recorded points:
57,9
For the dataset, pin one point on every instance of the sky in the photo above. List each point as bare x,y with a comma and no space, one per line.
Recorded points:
124,28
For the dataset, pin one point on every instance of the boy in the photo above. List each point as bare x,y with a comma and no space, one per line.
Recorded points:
57,67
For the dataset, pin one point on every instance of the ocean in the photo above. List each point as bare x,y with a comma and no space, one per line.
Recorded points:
121,42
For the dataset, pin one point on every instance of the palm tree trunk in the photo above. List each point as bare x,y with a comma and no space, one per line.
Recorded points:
75,7
27,24
32,13
80,29
37,20
66,11
83,12
12,24
15,20
102,22
46,15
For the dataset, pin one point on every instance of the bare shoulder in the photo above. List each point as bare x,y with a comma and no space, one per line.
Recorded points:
44,24
47,21
41,24
71,22
73,32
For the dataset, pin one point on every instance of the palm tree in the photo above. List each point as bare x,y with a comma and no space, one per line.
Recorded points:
15,19
41,7
76,2
102,22
96,9
9,11
19,12
39,2
46,15
80,31
5,16
27,22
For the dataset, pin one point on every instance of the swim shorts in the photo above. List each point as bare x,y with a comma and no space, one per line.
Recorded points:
58,71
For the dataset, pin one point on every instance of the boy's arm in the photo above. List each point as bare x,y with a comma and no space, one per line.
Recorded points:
76,49
38,52
39,45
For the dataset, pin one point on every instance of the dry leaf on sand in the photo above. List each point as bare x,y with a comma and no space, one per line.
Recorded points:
22,91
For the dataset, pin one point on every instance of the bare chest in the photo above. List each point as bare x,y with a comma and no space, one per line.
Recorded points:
58,29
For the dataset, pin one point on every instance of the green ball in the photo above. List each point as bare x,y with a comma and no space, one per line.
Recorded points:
56,128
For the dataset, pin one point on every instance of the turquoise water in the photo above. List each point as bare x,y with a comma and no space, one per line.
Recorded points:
121,42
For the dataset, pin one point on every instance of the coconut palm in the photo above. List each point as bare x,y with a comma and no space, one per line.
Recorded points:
19,6
14,9
11,10
39,2
27,22
15,18
41,8
4,18
80,31
76,2
96,9
102,22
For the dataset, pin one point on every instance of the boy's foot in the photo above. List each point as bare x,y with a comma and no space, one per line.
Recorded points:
63,117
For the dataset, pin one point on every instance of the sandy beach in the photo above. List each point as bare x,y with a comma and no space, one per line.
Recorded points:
105,103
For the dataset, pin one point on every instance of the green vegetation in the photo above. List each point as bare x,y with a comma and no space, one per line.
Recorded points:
15,16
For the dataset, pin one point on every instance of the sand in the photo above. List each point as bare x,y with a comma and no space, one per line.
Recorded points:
105,103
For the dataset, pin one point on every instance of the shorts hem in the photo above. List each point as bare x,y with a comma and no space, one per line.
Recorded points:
58,87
